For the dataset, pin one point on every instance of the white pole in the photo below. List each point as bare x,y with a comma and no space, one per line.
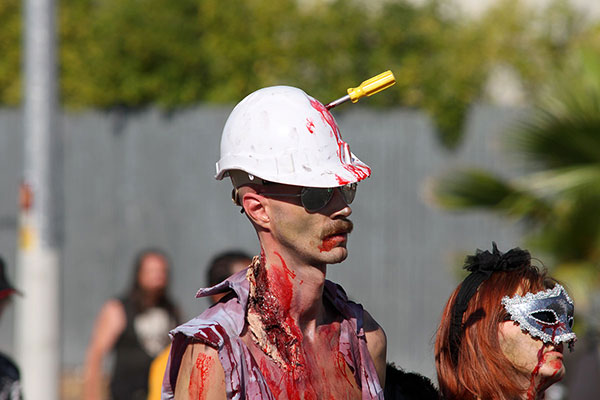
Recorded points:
38,312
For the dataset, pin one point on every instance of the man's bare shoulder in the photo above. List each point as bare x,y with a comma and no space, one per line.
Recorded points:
201,374
372,329
376,343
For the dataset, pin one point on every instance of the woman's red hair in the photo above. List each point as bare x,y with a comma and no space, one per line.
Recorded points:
482,371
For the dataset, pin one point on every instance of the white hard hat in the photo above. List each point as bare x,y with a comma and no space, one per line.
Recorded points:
283,135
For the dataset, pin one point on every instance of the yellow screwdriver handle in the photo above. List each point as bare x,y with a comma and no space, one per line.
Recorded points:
372,86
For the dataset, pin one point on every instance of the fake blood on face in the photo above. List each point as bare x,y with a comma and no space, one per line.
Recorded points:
329,243
531,392
556,365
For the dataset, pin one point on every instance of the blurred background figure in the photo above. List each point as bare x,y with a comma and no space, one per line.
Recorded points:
221,267
10,383
135,326
224,265
402,385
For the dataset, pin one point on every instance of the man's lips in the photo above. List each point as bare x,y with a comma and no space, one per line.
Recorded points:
341,232
332,241
337,236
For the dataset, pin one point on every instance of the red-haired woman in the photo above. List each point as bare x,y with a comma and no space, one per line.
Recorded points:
503,330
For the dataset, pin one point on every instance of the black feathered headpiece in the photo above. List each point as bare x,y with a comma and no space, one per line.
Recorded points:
481,265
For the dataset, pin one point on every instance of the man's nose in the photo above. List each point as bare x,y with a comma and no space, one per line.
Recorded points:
338,206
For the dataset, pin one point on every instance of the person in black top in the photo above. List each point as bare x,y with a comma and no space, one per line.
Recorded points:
134,326
10,378
402,385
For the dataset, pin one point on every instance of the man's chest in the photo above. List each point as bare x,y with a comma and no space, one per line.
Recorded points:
324,373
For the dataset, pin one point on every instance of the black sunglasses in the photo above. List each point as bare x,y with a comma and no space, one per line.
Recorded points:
313,199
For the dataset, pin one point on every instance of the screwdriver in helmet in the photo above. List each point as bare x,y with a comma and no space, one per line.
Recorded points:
367,88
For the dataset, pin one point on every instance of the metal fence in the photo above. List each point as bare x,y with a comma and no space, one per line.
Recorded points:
140,178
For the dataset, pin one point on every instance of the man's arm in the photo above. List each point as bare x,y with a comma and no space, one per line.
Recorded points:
377,345
110,323
201,375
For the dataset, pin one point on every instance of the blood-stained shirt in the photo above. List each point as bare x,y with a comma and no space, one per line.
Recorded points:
221,325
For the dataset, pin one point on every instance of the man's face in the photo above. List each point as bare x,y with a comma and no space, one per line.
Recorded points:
314,237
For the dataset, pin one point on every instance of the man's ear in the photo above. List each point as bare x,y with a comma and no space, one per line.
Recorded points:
255,207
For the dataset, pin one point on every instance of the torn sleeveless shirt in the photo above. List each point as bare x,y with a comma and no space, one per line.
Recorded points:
221,325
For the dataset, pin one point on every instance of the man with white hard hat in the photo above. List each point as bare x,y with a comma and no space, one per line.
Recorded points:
283,331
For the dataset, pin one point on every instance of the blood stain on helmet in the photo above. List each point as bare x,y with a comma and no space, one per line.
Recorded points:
310,125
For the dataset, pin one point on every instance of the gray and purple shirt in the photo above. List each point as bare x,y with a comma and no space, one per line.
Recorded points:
221,325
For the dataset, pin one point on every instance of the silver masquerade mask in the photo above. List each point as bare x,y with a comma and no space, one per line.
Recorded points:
547,315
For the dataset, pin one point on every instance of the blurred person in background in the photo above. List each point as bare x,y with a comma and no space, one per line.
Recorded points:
402,385
283,330
503,330
10,378
134,326
221,267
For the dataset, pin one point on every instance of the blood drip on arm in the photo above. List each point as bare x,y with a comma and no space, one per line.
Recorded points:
199,377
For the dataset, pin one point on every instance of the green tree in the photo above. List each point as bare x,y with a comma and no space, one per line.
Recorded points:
131,53
10,36
136,53
437,63
558,198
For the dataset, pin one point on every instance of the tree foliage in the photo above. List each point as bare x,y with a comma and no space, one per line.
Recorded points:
10,62
558,193
135,53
